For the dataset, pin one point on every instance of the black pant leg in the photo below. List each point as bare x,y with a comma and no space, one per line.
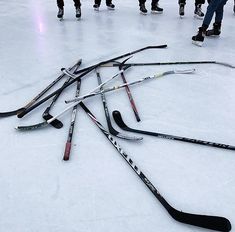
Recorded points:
77,3
60,3
199,2
97,2
154,2
141,2
182,2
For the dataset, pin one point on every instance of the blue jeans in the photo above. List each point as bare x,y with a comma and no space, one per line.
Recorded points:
217,7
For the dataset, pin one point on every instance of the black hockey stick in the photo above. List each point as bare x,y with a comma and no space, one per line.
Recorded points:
115,63
71,127
128,91
118,119
46,114
204,221
20,110
82,73
107,116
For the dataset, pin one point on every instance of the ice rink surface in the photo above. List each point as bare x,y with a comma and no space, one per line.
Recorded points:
96,191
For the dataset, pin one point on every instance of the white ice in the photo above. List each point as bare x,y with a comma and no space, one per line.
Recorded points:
96,191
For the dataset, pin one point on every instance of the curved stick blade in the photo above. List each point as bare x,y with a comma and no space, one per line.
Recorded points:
204,221
56,123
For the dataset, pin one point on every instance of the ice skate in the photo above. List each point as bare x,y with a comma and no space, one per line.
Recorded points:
60,14
215,31
96,7
198,12
111,6
143,10
156,9
181,10
78,13
199,38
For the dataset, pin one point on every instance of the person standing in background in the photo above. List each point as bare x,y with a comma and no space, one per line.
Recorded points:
154,7
109,5
77,4
217,7
197,11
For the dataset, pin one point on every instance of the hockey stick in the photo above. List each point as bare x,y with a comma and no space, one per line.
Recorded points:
82,73
131,83
71,127
118,119
46,114
46,123
115,63
107,116
128,91
20,110
204,221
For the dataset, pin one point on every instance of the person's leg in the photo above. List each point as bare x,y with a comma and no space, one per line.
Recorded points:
97,5
155,7
143,9
216,30
219,13
77,5
198,10
110,5
98,2
181,3
60,4
212,7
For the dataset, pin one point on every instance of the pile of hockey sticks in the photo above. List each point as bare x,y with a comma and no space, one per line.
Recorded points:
74,76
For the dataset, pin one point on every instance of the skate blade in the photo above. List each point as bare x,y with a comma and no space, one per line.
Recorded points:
198,17
181,16
110,8
61,19
197,43
96,9
143,13
156,12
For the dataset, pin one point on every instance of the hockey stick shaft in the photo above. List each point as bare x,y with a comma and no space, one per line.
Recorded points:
128,91
71,127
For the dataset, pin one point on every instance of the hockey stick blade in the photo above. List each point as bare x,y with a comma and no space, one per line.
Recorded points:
56,123
204,221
